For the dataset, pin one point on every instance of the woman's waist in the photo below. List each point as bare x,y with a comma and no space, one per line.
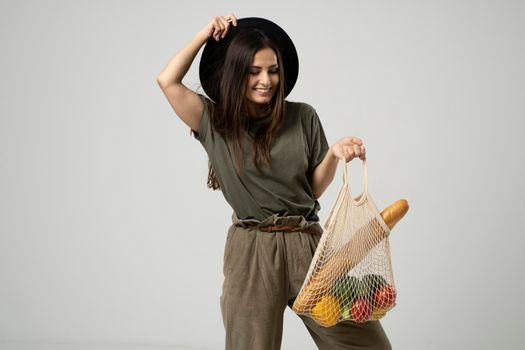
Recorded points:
277,222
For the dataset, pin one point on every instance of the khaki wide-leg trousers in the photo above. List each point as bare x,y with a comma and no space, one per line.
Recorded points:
263,273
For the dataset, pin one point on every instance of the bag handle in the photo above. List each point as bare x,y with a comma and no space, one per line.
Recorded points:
365,182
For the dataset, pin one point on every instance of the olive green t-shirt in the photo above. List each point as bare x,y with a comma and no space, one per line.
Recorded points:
284,189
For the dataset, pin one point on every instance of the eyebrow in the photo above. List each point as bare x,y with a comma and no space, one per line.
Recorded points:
272,66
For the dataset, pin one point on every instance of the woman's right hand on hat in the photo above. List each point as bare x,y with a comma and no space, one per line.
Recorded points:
219,25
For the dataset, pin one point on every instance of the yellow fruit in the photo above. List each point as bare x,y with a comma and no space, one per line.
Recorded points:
381,312
378,314
327,311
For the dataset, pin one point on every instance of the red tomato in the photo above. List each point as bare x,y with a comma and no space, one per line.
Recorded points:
361,310
385,296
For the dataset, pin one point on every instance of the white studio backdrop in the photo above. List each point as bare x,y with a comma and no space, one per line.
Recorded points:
108,234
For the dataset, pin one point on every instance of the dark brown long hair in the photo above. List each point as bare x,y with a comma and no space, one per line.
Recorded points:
230,117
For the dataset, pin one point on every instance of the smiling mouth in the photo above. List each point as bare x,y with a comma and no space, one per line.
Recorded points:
262,91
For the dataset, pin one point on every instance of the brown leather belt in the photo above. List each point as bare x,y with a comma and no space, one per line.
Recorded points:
285,228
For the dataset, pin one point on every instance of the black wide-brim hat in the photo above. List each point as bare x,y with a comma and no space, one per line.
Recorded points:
214,52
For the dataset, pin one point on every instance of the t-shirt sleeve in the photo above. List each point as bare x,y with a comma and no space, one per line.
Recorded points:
204,124
318,143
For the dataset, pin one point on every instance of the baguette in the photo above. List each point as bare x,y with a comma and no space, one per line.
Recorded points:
348,256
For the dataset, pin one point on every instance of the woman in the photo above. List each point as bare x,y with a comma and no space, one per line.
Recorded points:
271,160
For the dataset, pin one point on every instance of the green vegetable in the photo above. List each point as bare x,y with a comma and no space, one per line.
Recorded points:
346,289
346,312
370,283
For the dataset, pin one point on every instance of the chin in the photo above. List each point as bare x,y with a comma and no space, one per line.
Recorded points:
261,99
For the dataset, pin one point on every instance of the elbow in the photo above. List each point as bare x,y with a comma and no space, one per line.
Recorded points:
161,82
164,81
316,192
317,185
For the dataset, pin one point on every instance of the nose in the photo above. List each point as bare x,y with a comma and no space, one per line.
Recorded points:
264,78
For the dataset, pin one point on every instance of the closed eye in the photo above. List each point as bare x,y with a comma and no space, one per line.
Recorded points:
273,71
274,68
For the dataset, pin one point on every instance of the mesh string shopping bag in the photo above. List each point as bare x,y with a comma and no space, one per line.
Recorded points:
350,277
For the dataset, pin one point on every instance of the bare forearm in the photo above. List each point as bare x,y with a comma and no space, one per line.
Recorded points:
179,65
324,173
345,149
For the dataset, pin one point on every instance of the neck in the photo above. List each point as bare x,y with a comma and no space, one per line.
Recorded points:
257,110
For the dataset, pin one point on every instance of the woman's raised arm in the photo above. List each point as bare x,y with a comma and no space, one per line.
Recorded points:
185,102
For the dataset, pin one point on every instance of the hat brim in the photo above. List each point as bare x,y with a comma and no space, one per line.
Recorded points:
212,57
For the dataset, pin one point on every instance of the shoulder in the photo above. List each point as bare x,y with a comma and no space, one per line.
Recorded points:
304,116
305,110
